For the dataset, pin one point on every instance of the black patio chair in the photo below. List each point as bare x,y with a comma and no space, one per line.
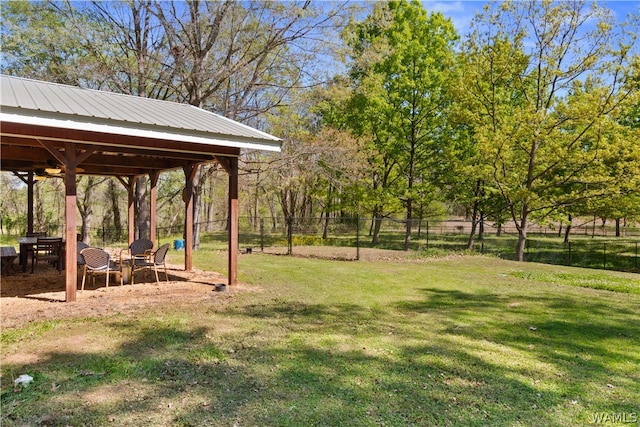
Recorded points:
153,262
98,261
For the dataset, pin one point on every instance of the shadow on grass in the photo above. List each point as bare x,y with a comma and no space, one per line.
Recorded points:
578,338
300,372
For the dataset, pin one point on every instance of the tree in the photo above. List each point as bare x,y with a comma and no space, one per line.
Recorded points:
240,59
38,43
86,203
550,86
406,57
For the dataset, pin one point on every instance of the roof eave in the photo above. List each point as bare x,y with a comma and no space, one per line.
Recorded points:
60,121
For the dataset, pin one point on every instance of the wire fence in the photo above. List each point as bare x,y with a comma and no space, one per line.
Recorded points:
345,238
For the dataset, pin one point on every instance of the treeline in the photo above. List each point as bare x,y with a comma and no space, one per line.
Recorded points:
385,110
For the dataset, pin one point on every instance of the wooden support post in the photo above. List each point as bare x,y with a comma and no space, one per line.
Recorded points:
30,181
233,221
131,210
153,220
230,165
70,157
71,256
189,173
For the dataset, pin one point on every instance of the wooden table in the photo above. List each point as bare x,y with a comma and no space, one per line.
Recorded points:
123,260
26,245
8,255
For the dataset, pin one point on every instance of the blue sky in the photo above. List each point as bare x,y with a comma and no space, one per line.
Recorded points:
462,11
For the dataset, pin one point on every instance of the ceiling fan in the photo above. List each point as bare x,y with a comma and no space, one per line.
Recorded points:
50,170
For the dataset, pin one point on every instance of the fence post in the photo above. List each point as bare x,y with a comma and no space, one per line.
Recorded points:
290,234
427,231
261,234
358,238
604,256
481,233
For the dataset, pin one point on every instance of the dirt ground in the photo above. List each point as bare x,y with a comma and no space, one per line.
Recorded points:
25,297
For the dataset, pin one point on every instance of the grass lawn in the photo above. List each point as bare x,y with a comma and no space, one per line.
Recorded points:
458,341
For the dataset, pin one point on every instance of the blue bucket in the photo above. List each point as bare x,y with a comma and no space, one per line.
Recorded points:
178,244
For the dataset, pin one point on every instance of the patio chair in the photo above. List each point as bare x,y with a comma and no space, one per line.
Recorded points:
98,261
140,247
29,248
48,249
139,252
80,247
155,260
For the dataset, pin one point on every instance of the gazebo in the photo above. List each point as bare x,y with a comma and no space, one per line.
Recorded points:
83,131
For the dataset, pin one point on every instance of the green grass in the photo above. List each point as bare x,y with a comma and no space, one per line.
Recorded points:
458,341
586,280
608,253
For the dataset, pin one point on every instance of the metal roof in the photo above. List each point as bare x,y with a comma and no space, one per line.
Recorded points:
121,135
124,114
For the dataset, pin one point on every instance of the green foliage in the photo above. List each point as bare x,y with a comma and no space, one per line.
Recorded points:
534,117
401,60
37,42
544,120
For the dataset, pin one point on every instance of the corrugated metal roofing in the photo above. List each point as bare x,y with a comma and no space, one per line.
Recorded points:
61,102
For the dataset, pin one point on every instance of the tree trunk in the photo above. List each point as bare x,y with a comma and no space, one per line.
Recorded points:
325,228
409,225
472,235
142,209
474,225
377,224
522,240
477,192
197,196
567,230
115,207
256,196
617,227
86,209
522,234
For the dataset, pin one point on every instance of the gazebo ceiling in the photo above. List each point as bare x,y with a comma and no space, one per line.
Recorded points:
30,148
116,135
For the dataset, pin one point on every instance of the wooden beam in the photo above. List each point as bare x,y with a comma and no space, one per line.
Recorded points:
224,162
9,129
55,152
233,222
